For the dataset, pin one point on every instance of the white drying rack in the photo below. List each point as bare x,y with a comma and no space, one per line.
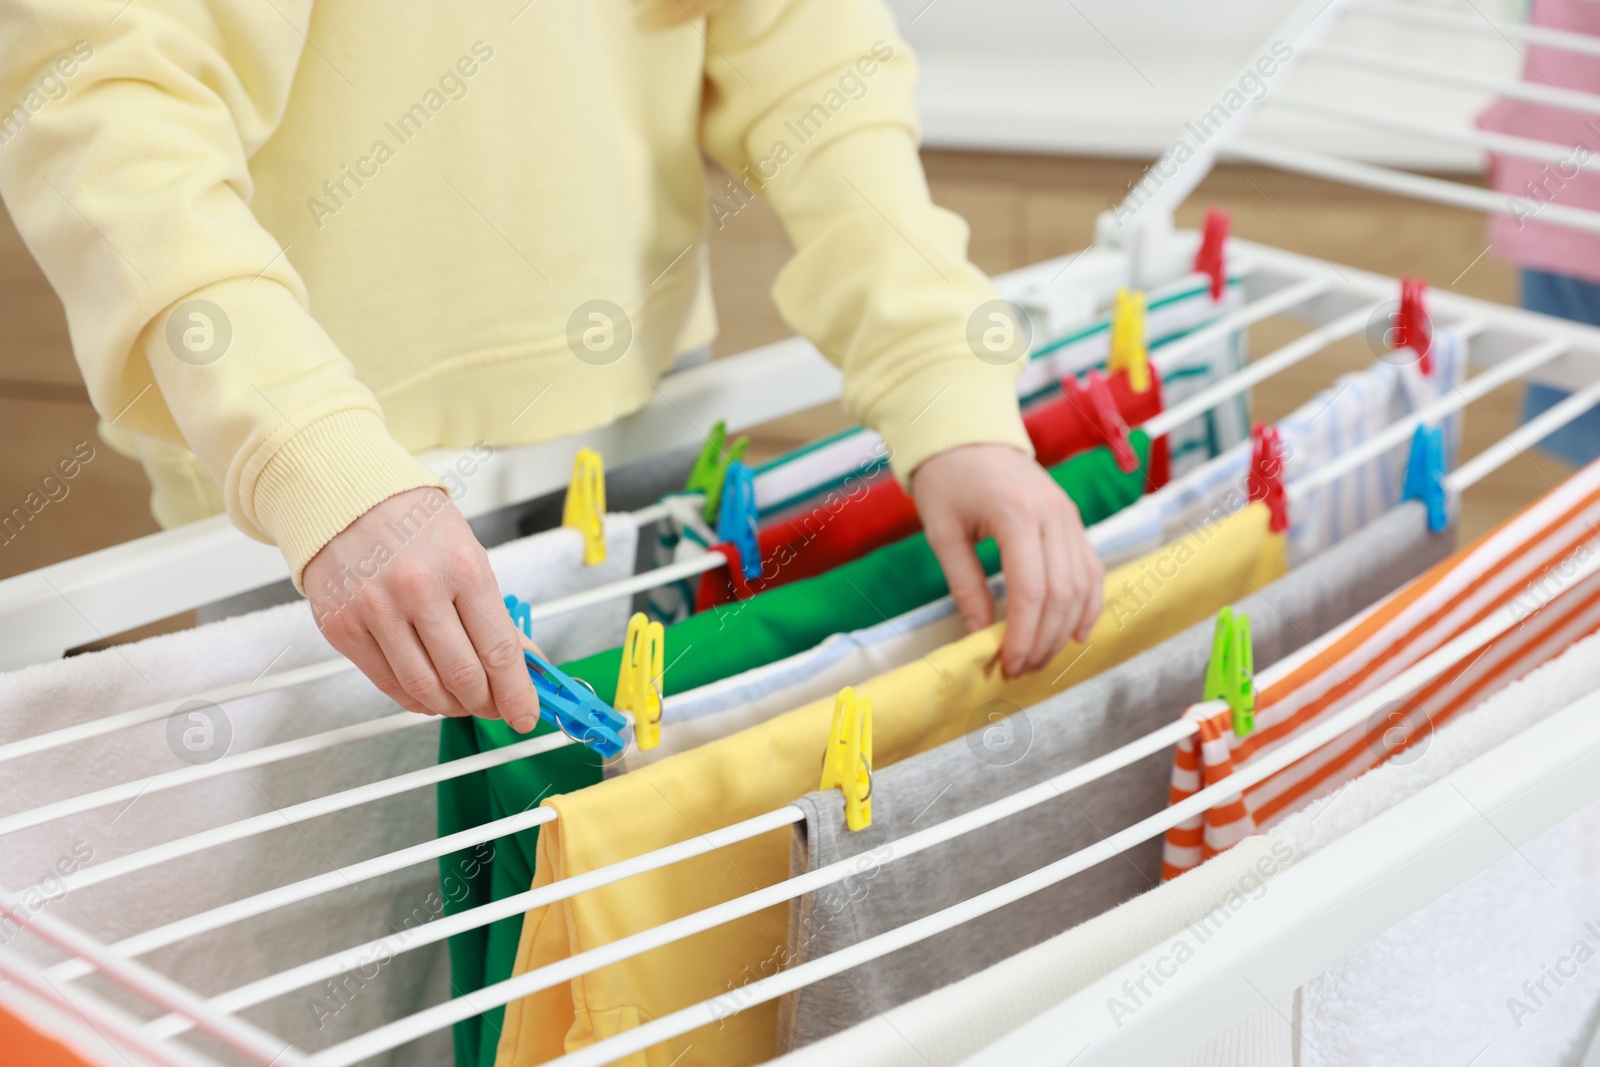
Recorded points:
44,612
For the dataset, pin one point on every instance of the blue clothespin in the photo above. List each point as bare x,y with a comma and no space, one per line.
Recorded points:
569,705
1425,475
574,709
737,523
521,615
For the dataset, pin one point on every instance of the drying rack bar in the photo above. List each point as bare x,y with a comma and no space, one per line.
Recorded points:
1571,99
247,1040
295,814
77,1006
1416,186
1478,25
1490,140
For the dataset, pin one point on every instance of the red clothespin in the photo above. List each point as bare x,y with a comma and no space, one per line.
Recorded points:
1209,259
1092,399
1413,328
1265,482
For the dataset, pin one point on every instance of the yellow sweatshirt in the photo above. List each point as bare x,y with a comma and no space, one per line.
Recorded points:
308,240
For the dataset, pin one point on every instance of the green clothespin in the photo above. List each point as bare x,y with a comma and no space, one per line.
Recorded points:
711,468
1230,676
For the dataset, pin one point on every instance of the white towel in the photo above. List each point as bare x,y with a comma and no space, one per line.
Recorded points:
1446,984
48,696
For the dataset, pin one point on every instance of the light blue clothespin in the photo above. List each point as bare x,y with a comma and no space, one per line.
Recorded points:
1425,475
565,703
737,523
521,615
574,709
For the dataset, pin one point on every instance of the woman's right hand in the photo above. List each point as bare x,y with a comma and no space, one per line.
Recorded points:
406,593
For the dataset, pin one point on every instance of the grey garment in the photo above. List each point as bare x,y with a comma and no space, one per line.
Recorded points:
1121,705
628,488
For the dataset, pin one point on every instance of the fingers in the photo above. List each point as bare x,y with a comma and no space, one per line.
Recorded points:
359,647
1063,605
1022,556
962,571
412,668
498,646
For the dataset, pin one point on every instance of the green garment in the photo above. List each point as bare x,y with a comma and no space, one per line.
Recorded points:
702,649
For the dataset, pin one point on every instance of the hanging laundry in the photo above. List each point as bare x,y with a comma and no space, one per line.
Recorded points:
83,688
1005,755
1520,567
916,707
1336,420
859,516
946,1027
1382,1005
791,487
700,650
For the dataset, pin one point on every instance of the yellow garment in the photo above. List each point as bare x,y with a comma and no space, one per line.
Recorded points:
398,223
915,707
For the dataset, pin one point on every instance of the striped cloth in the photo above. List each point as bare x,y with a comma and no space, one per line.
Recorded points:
1522,568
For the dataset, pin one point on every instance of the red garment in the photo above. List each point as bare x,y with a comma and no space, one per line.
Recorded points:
847,525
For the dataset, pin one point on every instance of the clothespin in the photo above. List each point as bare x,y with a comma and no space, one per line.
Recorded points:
711,468
1231,672
521,615
585,509
1128,350
1092,399
639,680
1209,258
1425,475
573,708
1266,475
737,522
1413,329
847,763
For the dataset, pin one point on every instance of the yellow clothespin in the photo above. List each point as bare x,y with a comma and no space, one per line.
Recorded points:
585,509
1128,350
639,680
847,764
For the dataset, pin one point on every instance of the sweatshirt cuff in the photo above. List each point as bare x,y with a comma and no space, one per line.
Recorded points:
949,403
327,476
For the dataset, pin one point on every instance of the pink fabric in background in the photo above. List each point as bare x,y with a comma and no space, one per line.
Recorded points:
1526,241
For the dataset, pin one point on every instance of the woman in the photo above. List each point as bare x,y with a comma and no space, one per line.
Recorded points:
299,242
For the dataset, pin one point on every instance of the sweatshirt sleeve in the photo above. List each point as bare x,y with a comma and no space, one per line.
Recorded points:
809,103
125,164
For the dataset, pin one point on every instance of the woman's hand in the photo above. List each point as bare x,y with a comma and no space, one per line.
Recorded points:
406,593
1053,576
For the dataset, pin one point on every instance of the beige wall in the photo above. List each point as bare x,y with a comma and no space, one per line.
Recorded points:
1021,208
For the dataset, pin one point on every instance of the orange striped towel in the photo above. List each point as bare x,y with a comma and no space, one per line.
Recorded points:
1522,567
